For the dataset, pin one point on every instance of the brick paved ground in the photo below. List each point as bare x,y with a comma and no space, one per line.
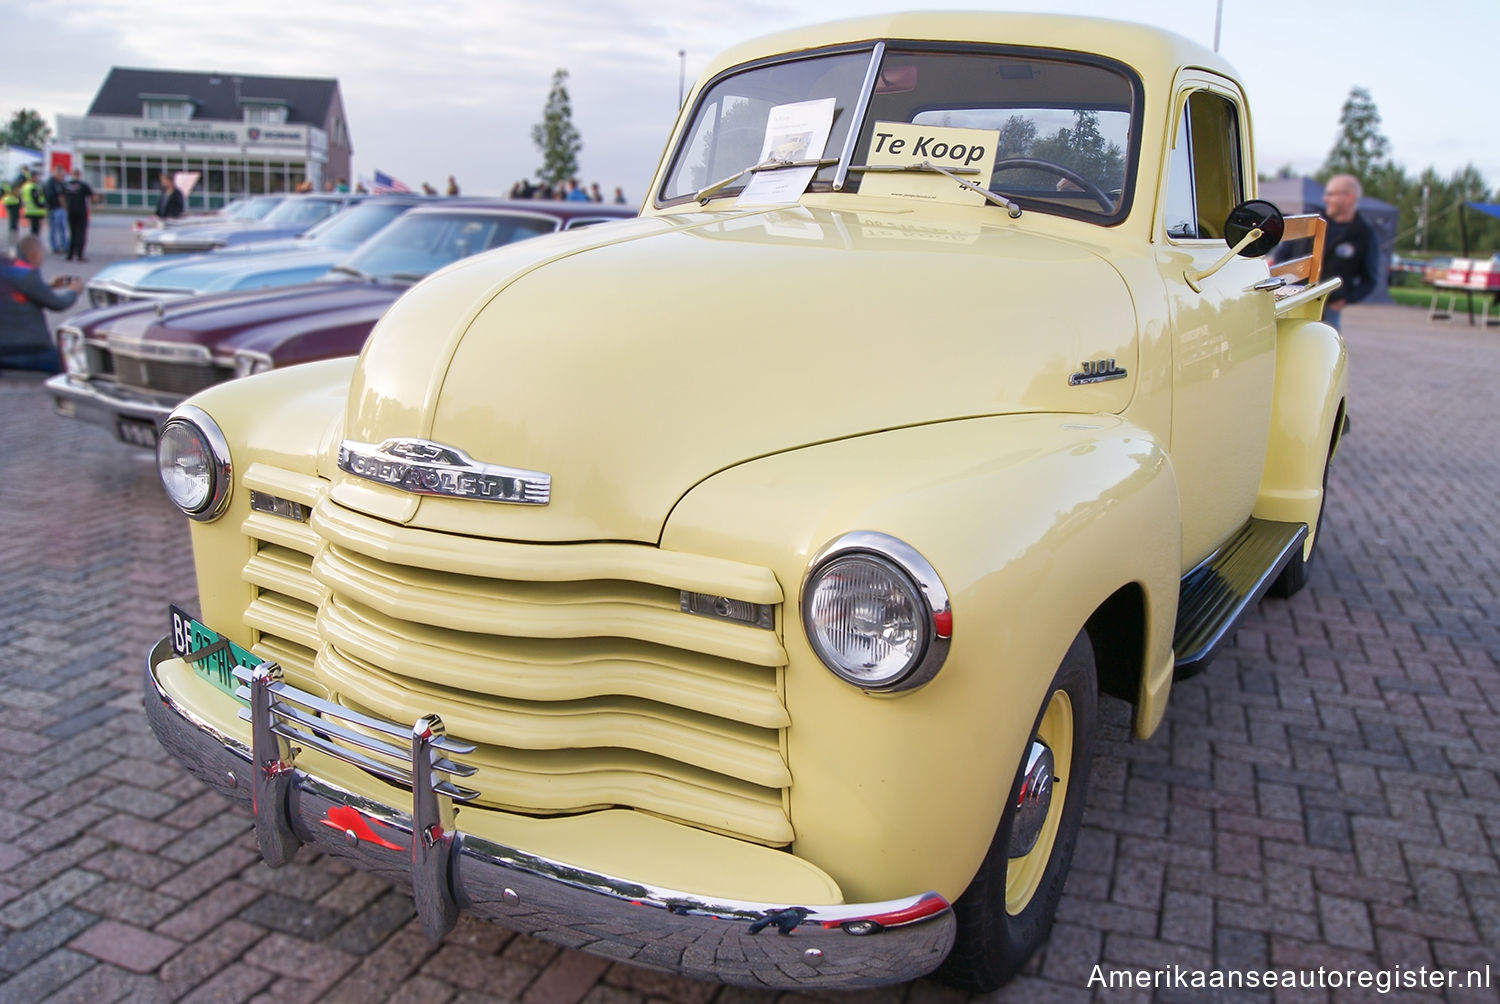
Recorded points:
1328,794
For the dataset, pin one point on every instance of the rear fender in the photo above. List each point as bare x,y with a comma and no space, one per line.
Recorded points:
1311,387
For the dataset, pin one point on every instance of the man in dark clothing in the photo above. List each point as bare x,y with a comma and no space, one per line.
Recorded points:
25,342
57,215
169,203
1351,249
77,195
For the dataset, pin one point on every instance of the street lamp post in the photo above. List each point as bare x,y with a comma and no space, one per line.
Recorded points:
681,76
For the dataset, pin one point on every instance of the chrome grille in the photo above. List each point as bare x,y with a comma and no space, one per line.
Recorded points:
570,667
166,376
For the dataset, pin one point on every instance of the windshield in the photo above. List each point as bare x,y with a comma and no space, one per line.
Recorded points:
420,243
302,212
357,223
252,209
1064,128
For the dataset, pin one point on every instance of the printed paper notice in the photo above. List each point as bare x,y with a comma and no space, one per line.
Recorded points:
904,144
796,131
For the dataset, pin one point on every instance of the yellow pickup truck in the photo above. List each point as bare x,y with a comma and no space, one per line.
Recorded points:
730,590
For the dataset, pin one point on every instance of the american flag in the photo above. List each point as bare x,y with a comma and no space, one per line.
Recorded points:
385,184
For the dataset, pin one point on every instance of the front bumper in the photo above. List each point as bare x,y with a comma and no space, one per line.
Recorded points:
105,402
780,945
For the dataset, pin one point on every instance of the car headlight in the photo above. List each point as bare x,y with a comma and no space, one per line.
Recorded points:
248,363
74,354
876,612
193,459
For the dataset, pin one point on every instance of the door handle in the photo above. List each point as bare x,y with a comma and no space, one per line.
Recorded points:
1266,285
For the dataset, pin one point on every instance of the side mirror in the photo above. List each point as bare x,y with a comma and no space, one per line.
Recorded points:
1257,214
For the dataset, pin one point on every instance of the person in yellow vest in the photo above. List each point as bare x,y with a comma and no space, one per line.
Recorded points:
12,202
33,203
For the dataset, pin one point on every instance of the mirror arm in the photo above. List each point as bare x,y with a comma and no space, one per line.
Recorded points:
1194,278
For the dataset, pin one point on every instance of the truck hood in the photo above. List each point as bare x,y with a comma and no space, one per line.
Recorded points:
631,361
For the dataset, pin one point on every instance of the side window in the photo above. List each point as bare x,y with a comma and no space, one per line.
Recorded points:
1205,179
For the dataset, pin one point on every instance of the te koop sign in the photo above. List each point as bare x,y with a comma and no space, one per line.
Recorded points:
968,152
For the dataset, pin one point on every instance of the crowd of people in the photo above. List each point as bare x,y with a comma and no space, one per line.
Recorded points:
572,191
62,201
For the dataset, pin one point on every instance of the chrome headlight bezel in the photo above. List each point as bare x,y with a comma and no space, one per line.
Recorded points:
915,576
73,348
195,422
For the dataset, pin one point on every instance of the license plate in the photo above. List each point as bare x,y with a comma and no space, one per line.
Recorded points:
189,638
136,431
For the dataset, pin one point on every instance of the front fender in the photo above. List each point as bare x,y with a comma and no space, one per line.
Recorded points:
1031,522
1312,379
292,433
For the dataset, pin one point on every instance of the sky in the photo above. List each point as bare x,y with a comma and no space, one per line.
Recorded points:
454,86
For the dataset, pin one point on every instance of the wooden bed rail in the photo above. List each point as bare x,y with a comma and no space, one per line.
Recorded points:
1309,266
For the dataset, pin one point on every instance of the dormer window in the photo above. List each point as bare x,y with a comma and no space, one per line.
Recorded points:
264,113
167,108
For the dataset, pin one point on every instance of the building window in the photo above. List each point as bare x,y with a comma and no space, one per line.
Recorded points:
167,111
265,114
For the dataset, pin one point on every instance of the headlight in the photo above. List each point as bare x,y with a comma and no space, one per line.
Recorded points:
876,613
248,363
74,355
193,459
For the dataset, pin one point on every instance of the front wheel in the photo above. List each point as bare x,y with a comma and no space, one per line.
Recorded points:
1006,912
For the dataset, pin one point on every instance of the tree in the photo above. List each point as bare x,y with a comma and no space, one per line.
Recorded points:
28,129
1360,149
556,136
1084,150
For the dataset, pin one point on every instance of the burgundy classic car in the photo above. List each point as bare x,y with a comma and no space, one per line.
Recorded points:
127,366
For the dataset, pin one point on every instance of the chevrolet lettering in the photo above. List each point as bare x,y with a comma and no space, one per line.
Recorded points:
424,468
883,463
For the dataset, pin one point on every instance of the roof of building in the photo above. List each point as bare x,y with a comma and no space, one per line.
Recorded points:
215,95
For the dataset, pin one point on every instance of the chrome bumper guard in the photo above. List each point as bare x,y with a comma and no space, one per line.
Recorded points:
104,402
827,946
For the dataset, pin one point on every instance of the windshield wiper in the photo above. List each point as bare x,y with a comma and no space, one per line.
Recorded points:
928,167
408,276
347,270
769,165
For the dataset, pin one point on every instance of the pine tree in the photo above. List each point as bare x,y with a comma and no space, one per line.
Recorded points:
556,136
1361,149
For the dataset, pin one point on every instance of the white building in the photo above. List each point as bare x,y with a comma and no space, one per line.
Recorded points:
243,134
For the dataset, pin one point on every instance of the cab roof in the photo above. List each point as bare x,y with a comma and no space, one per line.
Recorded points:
1154,53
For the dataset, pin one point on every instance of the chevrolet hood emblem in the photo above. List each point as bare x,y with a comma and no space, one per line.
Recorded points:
427,468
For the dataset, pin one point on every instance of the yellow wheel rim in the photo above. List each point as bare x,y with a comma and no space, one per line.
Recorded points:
1024,874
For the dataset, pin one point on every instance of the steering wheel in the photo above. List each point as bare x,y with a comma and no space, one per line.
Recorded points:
1086,186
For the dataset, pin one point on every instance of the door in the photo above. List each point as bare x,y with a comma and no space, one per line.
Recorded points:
1223,331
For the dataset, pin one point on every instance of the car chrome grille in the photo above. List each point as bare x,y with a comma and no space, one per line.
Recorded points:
166,376
571,667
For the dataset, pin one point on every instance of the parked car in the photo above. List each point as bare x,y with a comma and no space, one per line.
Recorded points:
731,590
290,217
128,365
248,266
249,208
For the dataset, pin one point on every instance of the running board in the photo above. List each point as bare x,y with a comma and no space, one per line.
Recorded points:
1216,594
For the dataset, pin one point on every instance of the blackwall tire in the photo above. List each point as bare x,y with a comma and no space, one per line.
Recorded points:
1294,576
